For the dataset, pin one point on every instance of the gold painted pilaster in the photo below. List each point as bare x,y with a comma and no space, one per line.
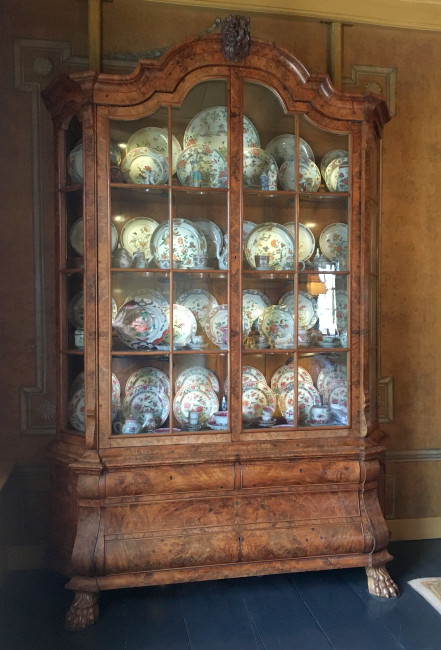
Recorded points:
335,53
95,35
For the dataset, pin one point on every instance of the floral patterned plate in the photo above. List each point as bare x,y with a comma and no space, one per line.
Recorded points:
255,162
140,324
197,375
306,245
337,175
149,294
253,304
155,138
195,397
250,374
255,397
213,235
143,166
136,235
309,175
307,311
329,157
284,375
334,241
210,127
328,374
148,375
270,239
287,403
199,302
341,303
283,147
76,410
336,393
211,162
184,326
77,241
307,396
188,241
147,397
216,326
277,324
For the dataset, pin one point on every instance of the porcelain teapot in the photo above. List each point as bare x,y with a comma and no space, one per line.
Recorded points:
147,421
130,425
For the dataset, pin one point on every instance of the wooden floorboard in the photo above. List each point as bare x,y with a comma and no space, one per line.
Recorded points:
326,610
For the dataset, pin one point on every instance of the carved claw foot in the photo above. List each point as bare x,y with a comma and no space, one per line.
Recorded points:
380,583
83,611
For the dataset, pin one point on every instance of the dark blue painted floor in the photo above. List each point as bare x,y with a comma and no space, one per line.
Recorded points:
303,611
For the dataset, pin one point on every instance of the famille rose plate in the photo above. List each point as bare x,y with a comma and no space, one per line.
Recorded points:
195,397
213,235
147,397
212,165
337,175
76,410
287,403
334,241
137,233
188,241
143,166
341,305
285,375
250,375
255,397
141,324
156,139
210,127
197,375
270,239
336,393
184,326
306,245
253,303
283,147
76,236
256,161
307,310
148,376
307,396
199,302
326,375
309,175
329,157
156,297
277,324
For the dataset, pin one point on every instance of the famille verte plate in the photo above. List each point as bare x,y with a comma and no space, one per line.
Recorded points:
334,241
337,175
75,163
257,396
250,375
195,397
306,245
76,236
277,324
76,410
283,148
199,302
149,294
256,161
188,241
210,127
147,397
270,239
141,324
184,326
253,303
137,233
148,375
197,375
75,311
143,166
329,157
213,235
285,375
155,138
212,165
309,175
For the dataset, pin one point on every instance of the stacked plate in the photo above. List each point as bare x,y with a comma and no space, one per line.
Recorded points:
270,239
188,241
144,166
334,168
155,139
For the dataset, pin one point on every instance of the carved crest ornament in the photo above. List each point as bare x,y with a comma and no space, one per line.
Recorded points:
235,38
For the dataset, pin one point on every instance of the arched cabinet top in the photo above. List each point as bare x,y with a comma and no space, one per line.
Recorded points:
167,80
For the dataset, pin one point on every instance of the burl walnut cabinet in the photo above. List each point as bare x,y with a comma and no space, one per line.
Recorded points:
216,234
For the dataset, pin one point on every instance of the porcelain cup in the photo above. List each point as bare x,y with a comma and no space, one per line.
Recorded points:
193,418
79,339
319,414
221,417
199,261
262,262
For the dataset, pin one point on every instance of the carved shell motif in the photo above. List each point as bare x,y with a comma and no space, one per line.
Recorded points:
235,38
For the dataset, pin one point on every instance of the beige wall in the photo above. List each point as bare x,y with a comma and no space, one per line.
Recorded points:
39,42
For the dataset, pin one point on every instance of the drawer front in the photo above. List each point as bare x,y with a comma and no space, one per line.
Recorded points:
285,473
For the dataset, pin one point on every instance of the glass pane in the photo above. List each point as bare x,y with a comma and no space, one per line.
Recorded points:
325,401
323,310
73,419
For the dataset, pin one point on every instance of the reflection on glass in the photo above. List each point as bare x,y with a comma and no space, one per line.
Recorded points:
323,398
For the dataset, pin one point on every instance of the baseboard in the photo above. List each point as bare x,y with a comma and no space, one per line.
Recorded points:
408,529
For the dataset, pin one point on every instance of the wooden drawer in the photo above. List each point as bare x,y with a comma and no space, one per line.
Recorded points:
296,472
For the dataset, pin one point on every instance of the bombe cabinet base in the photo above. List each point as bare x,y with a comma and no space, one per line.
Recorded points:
227,513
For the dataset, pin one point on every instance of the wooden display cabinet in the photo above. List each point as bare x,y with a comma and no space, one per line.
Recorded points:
191,497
